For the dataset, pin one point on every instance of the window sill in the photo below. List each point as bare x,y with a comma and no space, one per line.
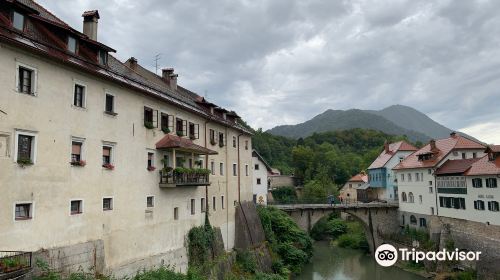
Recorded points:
28,94
76,213
105,210
113,114
23,219
79,108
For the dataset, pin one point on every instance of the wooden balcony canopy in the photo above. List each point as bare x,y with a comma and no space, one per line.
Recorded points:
182,144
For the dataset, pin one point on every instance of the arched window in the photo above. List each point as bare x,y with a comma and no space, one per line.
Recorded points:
403,196
411,199
413,220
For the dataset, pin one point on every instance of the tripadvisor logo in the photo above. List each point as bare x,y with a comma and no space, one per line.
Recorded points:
387,255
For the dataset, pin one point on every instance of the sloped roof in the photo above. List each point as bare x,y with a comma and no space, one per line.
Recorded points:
385,156
443,148
170,141
484,167
457,166
359,178
493,149
256,154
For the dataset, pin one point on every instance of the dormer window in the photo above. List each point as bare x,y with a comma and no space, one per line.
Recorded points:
71,44
18,21
423,157
103,57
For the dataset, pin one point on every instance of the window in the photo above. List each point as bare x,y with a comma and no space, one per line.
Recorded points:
79,96
259,181
150,161
409,177
76,207
401,159
256,167
246,144
106,155
417,177
411,198
203,205
25,148
150,201
107,204
402,177
221,167
234,141
212,167
477,183
71,44
493,206
413,220
26,80
103,57
193,206
148,117
430,183
432,210
431,190
420,199
246,170
221,139
474,155
180,126
491,183
110,104
403,197
213,139
452,202
194,132
478,204
176,213
18,21
23,211
423,222
235,169
429,171
214,203
464,155
165,122
76,152
222,204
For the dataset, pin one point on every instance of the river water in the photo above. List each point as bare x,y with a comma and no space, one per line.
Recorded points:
336,263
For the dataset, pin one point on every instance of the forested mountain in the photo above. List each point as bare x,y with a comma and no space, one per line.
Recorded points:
340,154
394,120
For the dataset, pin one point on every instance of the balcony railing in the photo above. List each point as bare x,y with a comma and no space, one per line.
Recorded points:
14,264
175,179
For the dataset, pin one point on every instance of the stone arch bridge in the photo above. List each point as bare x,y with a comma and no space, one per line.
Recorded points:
377,218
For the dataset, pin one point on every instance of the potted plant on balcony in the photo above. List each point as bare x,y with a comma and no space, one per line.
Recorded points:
212,141
180,133
148,125
24,162
80,163
10,264
108,166
198,163
165,130
192,136
151,168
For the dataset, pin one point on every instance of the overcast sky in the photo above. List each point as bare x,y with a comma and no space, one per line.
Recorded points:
283,62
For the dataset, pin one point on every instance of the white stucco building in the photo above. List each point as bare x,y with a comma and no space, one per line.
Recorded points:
261,171
94,149
416,179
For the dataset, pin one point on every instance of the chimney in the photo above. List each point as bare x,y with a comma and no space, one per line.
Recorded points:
169,77
386,146
90,20
433,145
132,62
453,134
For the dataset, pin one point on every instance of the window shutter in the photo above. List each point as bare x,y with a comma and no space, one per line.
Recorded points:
170,122
184,127
155,118
489,205
197,131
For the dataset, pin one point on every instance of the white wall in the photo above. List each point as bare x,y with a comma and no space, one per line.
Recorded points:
260,190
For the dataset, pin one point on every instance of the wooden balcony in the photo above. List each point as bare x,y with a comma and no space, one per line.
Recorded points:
172,179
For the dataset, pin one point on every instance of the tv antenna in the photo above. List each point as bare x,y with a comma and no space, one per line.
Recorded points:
156,59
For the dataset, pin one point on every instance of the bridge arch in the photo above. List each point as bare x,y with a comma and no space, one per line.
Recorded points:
377,219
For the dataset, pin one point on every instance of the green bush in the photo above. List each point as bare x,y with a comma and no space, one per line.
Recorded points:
246,260
284,194
328,227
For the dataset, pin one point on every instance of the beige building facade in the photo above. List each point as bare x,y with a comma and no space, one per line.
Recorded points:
82,145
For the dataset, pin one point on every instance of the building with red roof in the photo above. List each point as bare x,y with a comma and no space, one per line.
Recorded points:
349,192
418,175
380,174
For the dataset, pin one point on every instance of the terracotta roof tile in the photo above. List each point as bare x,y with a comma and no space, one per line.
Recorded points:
485,167
175,142
457,166
443,148
359,178
385,156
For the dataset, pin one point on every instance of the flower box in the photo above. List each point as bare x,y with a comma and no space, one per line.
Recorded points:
151,168
108,166
80,163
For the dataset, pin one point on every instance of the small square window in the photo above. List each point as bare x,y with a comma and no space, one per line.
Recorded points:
76,152
25,80
256,167
110,104
18,21
176,213
23,211
246,144
103,57
25,149
150,201
71,44
79,96
259,181
106,155
76,207
107,204
150,161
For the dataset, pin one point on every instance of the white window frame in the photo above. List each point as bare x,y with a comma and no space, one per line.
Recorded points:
192,206
79,140
112,145
153,159
246,170
82,210
23,202
102,201
214,203
114,104
34,78
33,143
84,101
235,169
222,201
154,201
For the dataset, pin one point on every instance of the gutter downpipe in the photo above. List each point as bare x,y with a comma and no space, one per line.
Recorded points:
239,175
206,166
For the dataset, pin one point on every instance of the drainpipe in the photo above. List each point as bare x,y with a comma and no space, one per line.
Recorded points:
239,178
206,167
226,197
435,192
